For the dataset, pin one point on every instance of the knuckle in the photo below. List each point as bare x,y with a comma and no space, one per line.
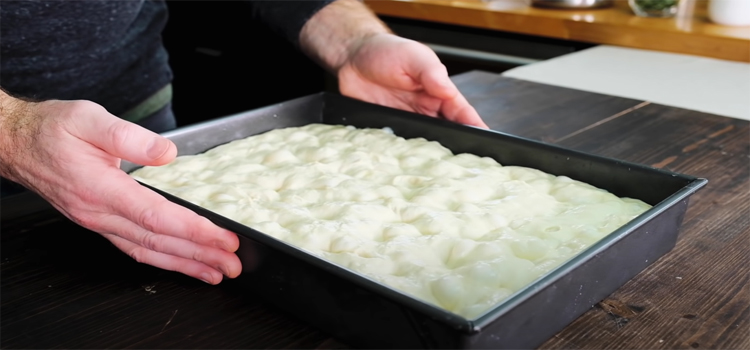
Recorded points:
200,230
139,254
204,225
120,133
148,218
198,255
87,192
153,242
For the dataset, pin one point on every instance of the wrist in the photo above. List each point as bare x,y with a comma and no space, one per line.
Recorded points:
15,127
336,32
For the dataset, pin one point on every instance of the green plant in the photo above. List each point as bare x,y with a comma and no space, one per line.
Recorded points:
655,5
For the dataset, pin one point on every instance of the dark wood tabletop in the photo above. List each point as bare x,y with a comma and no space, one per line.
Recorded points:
65,287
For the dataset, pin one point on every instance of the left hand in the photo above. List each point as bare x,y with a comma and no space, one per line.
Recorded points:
401,73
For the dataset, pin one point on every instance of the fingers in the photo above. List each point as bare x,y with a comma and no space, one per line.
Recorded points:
122,139
426,104
190,267
82,181
157,232
436,82
459,110
166,235
210,261
425,67
155,213
433,76
412,79
454,105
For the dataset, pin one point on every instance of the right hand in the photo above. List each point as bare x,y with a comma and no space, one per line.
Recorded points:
69,152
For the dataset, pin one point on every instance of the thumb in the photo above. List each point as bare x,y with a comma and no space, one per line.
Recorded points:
124,139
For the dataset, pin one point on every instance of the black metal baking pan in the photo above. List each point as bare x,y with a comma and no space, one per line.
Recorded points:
366,314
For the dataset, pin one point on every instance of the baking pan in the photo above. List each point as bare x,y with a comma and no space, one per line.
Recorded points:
366,314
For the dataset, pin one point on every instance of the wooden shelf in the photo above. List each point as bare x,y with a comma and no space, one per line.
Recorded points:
690,32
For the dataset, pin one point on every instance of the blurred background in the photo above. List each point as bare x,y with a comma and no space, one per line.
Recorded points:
225,62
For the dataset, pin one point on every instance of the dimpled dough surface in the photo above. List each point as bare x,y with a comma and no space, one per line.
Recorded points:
459,231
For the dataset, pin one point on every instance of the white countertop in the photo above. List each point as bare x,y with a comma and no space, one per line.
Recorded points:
691,82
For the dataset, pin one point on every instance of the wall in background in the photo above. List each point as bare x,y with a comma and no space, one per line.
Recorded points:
224,62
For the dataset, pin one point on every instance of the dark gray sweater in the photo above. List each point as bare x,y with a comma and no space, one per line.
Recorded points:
106,51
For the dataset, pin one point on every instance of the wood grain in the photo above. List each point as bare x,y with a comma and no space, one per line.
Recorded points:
696,296
537,111
65,287
691,32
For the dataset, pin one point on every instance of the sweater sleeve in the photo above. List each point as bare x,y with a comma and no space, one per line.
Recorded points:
286,18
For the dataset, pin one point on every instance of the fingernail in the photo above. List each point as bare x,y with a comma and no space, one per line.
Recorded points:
206,277
157,147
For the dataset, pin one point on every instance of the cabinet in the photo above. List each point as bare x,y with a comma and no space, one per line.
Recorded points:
463,49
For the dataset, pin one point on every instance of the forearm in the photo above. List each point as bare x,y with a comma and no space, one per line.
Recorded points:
14,127
335,32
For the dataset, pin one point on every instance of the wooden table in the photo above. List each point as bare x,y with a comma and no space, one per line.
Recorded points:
65,287
691,32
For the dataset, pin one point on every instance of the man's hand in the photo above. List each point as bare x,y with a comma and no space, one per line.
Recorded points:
404,74
376,66
69,152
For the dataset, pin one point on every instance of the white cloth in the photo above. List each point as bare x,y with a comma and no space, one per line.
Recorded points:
692,82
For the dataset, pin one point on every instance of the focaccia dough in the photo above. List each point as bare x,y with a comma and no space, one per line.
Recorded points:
460,231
